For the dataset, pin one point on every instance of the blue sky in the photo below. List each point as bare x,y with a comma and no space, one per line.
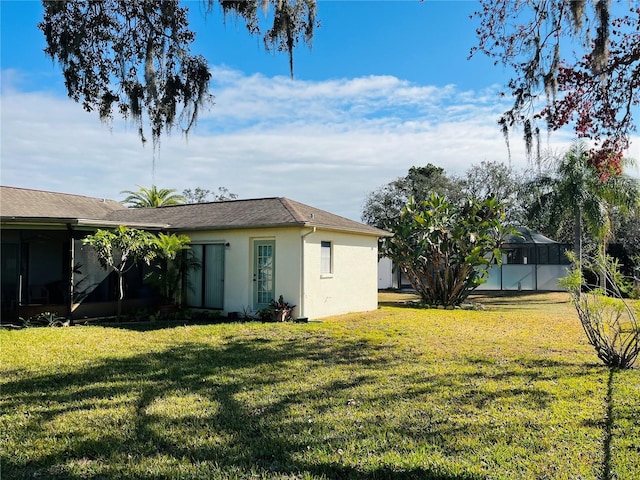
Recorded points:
386,85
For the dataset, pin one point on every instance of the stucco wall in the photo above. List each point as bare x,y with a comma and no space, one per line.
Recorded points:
238,277
352,287
353,284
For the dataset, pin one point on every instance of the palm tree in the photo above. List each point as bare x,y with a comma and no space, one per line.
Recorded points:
622,196
175,260
574,185
152,197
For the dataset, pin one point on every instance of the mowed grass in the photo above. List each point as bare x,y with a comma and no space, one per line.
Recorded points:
509,392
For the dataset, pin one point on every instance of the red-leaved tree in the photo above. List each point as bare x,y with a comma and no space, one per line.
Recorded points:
576,63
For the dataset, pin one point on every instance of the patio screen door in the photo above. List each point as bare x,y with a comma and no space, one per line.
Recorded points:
264,252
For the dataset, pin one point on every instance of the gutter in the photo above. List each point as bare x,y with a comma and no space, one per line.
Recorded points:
77,222
186,228
81,222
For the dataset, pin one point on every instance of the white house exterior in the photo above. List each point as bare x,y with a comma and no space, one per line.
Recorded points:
350,284
294,270
322,263
251,251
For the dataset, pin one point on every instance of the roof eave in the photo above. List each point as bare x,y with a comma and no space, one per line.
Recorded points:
374,233
10,219
234,227
79,222
87,222
382,233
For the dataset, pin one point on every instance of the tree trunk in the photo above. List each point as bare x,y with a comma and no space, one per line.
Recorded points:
577,234
577,239
120,295
603,272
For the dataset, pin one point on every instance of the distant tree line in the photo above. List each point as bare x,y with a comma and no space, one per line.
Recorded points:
161,197
565,198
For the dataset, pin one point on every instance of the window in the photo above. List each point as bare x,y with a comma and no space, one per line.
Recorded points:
325,258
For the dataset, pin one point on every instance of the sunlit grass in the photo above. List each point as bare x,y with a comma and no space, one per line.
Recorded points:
509,392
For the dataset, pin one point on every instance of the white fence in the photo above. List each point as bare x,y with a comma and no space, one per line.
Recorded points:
505,277
525,277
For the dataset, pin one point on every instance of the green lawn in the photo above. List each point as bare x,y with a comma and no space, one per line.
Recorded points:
509,392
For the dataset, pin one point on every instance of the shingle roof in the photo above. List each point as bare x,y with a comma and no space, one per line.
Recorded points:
34,204
252,213
19,203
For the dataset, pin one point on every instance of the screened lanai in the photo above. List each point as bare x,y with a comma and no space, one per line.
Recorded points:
530,261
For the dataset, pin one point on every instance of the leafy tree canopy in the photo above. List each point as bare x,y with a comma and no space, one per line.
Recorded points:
445,248
133,57
627,235
496,179
120,249
382,207
486,179
573,193
202,195
594,90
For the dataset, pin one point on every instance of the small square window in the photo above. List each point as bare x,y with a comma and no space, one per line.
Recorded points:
325,257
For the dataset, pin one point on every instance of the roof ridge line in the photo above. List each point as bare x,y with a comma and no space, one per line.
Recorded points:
234,200
293,211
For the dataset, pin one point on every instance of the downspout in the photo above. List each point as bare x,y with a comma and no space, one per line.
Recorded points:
302,260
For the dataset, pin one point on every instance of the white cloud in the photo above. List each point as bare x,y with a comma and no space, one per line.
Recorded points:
256,98
327,144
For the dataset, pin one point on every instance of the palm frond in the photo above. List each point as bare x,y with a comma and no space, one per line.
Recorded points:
152,197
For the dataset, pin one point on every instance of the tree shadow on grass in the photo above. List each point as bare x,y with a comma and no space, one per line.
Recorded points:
149,325
486,299
402,304
608,430
231,437
522,380
253,416
620,426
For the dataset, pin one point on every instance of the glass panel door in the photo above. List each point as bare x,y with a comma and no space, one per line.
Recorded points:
214,276
263,272
205,285
195,279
